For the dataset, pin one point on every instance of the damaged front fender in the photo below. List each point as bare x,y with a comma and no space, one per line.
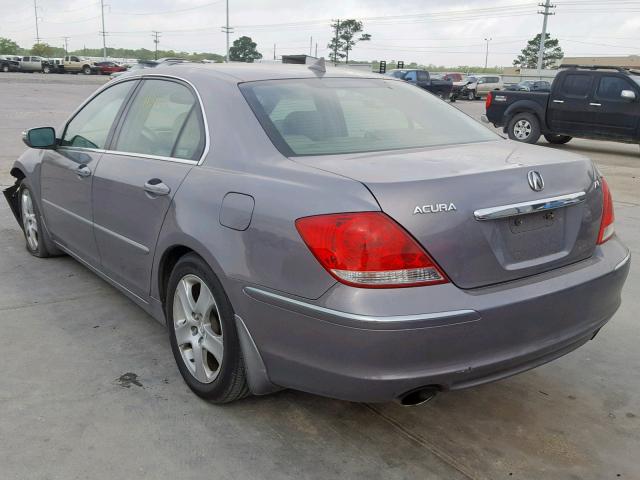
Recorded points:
12,196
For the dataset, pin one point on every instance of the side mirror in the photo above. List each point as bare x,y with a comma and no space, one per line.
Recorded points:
628,95
41,137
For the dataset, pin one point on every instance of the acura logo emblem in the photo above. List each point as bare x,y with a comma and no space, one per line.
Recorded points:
535,181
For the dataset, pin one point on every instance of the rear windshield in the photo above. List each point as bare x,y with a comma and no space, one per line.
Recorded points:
349,115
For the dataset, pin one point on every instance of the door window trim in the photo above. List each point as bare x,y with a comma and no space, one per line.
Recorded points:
202,120
125,105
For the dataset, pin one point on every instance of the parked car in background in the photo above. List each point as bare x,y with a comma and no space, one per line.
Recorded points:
421,78
346,235
601,103
530,86
108,67
7,65
454,76
30,64
143,64
75,64
52,65
477,87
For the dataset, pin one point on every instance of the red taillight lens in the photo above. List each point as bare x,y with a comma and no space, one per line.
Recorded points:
368,249
489,99
607,228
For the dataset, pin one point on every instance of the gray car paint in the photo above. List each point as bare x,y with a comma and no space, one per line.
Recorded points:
298,327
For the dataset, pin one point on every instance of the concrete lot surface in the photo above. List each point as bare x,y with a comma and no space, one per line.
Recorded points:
89,388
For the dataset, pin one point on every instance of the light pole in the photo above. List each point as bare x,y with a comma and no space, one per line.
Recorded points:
486,55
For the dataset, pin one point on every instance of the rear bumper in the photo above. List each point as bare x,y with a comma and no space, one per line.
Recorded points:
389,347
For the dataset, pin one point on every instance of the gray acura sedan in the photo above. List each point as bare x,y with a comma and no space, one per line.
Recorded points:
339,233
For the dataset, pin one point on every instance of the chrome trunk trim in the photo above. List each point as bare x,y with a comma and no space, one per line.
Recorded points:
515,209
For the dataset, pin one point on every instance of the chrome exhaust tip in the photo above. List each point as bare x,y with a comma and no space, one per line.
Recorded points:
418,396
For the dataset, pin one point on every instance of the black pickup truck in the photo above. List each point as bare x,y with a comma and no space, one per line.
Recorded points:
601,103
421,78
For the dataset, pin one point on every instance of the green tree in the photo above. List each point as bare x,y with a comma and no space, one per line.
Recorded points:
42,50
244,50
345,38
8,46
529,56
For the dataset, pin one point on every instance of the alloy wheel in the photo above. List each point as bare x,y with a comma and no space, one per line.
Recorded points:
29,220
198,329
522,129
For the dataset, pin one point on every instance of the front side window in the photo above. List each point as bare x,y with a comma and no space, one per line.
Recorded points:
163,120
610,88
349,115
423,76
90,127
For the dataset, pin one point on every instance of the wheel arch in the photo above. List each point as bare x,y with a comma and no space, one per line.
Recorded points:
525,106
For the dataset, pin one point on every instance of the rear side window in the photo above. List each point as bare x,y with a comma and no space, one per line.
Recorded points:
90,127
610,88
423,76
576,85
163,120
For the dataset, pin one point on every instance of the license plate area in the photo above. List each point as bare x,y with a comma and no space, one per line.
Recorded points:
531,222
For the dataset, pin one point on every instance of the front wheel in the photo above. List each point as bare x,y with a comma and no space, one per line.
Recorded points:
5,68
558,139
203,334
524,127
471,95
34,232
46,69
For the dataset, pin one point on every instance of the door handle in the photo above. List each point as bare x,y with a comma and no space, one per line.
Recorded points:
156,187
83,171
595,104
558,101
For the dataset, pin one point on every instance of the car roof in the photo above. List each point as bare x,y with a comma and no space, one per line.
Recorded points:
250,72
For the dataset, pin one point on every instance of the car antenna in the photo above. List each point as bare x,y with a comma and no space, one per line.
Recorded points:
318,66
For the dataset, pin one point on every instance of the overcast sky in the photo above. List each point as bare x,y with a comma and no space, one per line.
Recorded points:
427,31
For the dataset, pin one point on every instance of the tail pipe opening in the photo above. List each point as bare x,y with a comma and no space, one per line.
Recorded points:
418,396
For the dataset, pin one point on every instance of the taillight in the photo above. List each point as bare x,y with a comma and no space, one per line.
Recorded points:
489,99
368,249
607,228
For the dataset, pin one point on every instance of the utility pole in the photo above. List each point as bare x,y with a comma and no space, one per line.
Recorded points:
104,33
155,34
335,43
66,45
486,55
227,29
310,46
316,49
274,51
35,10
547,6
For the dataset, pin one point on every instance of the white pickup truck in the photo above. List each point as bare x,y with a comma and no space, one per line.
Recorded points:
30,64
74,64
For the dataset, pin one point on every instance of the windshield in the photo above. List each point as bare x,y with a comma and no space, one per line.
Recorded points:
350,115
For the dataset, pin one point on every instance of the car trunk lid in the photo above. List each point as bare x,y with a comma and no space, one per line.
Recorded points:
447,198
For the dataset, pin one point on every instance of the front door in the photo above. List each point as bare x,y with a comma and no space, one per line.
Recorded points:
159,140
612,115
67,172
568,107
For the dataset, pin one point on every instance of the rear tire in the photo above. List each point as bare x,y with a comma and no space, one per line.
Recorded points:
203,333
524,127
86,70
471,95
5,68
558,139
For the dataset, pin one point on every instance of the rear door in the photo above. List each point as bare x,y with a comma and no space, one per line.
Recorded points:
612,115
66,175
159,140
568,109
